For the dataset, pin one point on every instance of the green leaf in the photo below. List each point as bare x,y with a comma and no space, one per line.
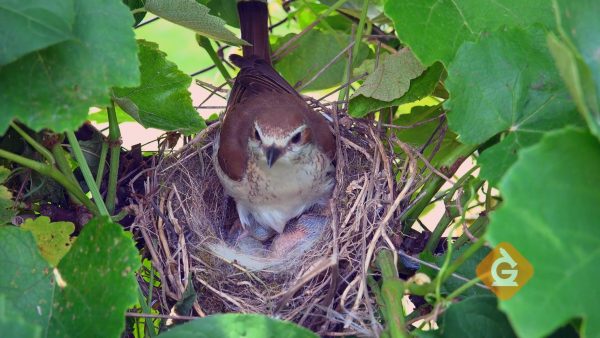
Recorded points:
12,323
224,9
55,87
316,49
506,83
391,79
102,117
27,26
233,325
474,317
26,279
575,51
162,100
420,87
193,15
89,291
6,204
435,29
550,198
53,238
100,282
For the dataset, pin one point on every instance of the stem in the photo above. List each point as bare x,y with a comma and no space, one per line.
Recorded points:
87,174
61,161
477,229
451,212
101,164
357,39
462,288
445,273
114,142
38,147
52,172
204,42
434,185
392,290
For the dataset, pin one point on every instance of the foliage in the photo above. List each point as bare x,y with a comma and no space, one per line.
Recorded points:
566,264
512,85
237,325
162,100
95,297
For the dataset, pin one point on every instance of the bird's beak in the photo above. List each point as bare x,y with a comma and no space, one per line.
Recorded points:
272,153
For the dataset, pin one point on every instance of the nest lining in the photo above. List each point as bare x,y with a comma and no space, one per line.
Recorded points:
185,213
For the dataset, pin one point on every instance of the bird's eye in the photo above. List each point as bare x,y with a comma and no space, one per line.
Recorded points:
257,135
295,138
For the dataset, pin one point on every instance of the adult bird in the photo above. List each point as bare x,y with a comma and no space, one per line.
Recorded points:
274,154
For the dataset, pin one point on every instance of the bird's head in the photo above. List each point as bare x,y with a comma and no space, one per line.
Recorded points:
276,139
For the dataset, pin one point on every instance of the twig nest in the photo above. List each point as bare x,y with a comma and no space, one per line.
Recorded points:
187,222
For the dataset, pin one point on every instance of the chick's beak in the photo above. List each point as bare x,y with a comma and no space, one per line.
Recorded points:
272,153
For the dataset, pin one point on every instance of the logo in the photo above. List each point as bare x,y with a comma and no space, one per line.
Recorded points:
504,270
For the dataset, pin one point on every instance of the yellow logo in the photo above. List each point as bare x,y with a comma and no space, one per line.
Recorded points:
504,270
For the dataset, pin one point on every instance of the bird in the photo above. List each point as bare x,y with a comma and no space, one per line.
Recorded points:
273,155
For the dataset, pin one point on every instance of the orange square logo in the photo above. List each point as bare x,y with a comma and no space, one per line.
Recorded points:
504,270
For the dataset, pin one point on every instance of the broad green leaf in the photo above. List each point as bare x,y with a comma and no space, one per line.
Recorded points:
420,87
195,16
102,117
99,272
224,9
575,51
424,123
162,100
89,291
6,203
435,29
12,323
26,279
316,49
474,317
53,238
27,26
506,83
55,87
234,325
550,215
391,79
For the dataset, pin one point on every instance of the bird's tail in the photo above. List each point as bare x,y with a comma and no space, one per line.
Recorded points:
254,24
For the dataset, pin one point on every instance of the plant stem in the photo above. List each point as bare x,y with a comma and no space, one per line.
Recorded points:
87,174
204,42
101,164
357,39
462,289
432,186
392,291
477,229
61,161
451,211
38,147
114,142
445,273
52,172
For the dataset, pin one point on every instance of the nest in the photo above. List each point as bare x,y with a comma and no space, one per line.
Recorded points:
185,212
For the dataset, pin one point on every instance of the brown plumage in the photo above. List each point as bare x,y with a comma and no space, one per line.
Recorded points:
274,154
